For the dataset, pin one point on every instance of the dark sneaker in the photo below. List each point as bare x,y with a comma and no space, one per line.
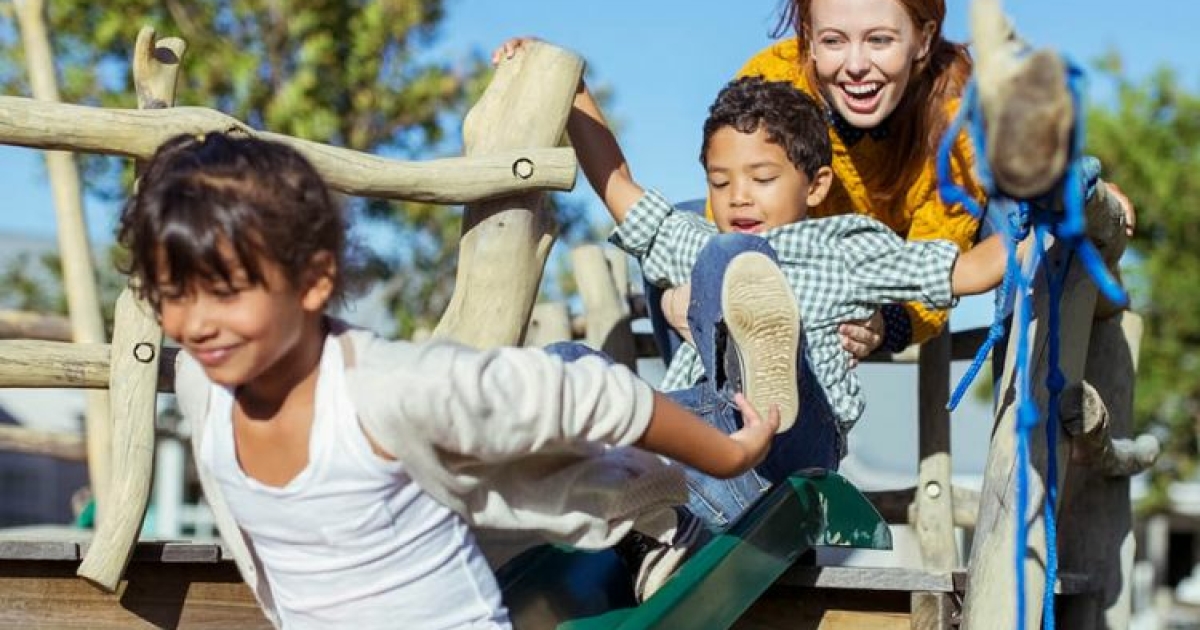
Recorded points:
652,561
763,320
1027,105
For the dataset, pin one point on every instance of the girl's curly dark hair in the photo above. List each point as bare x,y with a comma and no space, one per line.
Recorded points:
203,197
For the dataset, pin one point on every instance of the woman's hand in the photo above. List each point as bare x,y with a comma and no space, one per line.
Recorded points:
675,309
1126,205
861,338
510,48
756,433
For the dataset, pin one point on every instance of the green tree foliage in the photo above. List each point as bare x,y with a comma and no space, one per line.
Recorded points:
1149,142
354,73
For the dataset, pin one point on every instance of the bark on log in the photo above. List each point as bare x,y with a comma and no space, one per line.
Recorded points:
137,134
75,252
505,242
135,354
25,325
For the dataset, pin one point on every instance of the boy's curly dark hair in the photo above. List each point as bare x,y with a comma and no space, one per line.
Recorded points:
792,119
198,195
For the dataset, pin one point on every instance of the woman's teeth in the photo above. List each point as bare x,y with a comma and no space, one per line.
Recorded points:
861,90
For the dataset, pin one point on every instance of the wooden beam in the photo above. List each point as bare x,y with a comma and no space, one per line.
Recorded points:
63,365
895,506
138,133
505,241
64,446
932,511
26,325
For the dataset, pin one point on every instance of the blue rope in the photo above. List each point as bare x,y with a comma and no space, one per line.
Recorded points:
1068,228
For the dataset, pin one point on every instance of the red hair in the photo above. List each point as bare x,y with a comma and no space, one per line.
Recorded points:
921,117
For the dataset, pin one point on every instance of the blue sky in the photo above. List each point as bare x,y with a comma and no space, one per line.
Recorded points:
666,59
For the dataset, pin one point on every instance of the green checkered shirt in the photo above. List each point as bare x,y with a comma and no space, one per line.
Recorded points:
842,268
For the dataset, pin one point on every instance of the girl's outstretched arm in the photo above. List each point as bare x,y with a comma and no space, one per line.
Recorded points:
677,433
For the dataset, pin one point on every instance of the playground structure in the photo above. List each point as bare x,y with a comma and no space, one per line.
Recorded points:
512,157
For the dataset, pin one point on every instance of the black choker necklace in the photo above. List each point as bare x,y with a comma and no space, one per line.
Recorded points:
851,134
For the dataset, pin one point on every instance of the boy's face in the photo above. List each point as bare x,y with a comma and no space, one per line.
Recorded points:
753,186
242,332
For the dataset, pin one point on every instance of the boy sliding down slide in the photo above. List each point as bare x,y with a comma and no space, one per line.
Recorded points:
760,271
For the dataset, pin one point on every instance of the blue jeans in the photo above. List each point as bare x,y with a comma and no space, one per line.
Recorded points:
813,442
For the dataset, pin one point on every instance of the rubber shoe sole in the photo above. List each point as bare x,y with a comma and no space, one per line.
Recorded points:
764,326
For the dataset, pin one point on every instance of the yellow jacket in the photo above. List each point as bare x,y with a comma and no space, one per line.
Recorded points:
921,215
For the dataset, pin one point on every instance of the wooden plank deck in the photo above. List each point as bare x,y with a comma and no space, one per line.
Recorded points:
167,585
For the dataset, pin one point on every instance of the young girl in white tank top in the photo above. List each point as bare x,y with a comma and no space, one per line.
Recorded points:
345,496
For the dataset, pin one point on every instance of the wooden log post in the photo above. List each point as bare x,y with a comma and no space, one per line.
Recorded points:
618,265
75,251
933,506
606,315
136,134
137,341
505,242
1026,104
549,323
1096,504
991,596
989,601
136,352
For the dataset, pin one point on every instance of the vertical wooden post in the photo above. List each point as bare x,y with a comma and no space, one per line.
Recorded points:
934,507
136,349
505,242
75,251
992,587
549,323
1097,508
607,322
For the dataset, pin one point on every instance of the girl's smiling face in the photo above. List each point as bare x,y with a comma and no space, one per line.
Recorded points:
864,53
245,333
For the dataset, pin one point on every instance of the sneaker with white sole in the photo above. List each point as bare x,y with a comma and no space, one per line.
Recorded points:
652,561
763,320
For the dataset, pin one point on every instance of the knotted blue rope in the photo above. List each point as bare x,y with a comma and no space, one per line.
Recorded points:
1067,227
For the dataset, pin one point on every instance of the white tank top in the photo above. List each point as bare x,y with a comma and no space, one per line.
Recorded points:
351,541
